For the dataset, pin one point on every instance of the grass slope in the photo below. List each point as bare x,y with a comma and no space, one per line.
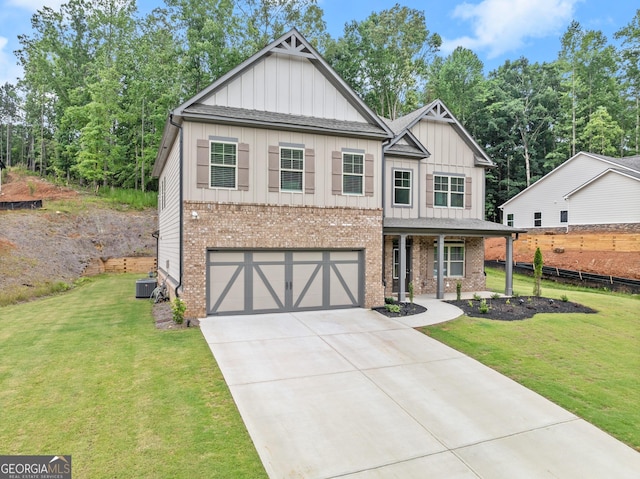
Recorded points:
586,363
86,373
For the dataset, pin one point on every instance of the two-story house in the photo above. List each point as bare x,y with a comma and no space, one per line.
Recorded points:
280,190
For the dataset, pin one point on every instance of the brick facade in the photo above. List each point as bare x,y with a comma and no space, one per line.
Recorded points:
255,226
422,265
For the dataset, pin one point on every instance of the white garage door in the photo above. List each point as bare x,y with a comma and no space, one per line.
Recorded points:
244,282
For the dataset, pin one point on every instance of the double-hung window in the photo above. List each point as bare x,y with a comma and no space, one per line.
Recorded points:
352,174
291,169
453,260
224,165
402,187
537,218
448,191
510,219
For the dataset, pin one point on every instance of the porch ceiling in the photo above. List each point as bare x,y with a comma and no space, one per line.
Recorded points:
446,226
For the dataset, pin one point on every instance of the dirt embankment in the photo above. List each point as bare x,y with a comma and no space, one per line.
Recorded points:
56,242
601,251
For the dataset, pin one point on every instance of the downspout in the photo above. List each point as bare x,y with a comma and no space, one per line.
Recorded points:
384,169
181,206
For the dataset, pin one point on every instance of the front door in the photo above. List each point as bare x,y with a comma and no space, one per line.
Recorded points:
396,266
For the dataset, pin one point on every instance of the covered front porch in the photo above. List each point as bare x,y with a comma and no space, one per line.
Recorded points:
435,255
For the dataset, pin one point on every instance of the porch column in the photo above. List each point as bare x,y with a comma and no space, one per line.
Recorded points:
508,267
402,274
440,284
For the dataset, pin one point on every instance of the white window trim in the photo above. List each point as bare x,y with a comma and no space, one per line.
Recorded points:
393,200
301,190
510,221
362,175
449,192
447,261
536,219
235,167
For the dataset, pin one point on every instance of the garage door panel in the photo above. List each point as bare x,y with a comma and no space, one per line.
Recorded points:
307,286
226,287
342,279
268,287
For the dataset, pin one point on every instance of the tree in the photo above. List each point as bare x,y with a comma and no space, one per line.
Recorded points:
589,67
525,94
265,20
630,55
537,272
602,134
384,58
9,108
458,81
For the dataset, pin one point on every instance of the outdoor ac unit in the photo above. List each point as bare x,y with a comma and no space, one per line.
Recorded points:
144,287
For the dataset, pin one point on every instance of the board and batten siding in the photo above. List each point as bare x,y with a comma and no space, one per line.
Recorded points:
285,84
547,194
450,155
259,141
169,215
612,198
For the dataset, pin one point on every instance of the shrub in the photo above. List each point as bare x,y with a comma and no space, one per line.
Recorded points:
564,298
537,272
476,296
411,292
392,308
484,307
458,290
390,300
495,296
178,307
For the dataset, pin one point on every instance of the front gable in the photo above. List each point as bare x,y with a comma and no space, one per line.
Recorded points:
290,81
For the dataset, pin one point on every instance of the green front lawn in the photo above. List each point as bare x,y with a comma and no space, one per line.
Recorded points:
86,373
586,363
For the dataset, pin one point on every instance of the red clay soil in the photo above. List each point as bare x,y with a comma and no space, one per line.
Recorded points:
29,188
613,263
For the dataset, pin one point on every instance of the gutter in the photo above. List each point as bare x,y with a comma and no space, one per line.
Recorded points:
181,205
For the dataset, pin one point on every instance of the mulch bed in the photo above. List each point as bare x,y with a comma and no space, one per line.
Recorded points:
163,316
406,309
513,309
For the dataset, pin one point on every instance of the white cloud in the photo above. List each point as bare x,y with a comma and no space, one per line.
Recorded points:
500,26
9,70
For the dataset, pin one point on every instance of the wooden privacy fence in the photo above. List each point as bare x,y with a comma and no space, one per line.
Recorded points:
131,264
623,242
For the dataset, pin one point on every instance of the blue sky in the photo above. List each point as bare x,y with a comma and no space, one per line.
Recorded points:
496,30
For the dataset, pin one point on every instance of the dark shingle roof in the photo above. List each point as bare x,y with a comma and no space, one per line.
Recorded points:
449,226
267,119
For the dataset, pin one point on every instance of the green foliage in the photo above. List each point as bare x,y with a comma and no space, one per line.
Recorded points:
178,308
411,292
458,290
484,307
537,272
564,298
22,293
477,297
495,296
392,308
133,198
384,58
389,300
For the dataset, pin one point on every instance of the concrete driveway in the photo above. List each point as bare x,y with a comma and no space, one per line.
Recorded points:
353,394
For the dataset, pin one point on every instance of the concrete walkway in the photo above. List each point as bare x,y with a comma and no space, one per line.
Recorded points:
353,394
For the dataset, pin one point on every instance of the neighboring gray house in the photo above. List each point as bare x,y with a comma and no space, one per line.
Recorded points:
280,190
587,189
